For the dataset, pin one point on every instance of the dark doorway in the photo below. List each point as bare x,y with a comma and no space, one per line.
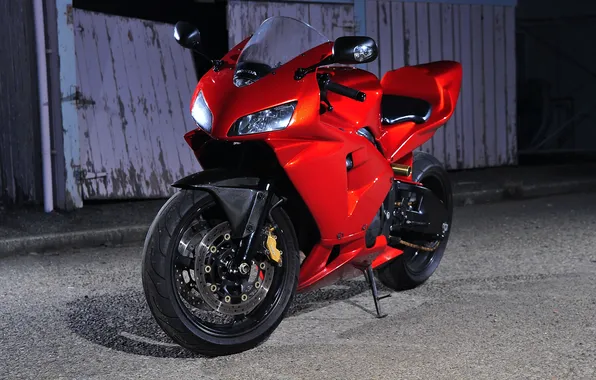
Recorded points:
209,17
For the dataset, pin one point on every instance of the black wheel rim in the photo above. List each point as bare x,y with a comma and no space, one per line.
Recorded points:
418,260
237,325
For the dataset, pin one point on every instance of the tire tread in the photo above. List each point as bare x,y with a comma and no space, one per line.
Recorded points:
157,244
394,274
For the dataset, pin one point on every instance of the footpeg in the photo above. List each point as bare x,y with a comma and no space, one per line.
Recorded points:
370,278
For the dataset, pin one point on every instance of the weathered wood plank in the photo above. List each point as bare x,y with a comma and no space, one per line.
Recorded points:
178,98
372,30
327,20
172,64
397,30
480,147
410,44
436,54
7,185
237,11
102,91
144,105
340,17
70,143
386,37
491,131
136,70
165,158
86,56
297,11
104,137
185,82
422,33
20,161
315,16
511,75
467,90
141,82
423,43
447,42
457,157
500,92
257,13
129,178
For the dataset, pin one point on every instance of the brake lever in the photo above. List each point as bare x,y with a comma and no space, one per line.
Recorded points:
325,100
323,80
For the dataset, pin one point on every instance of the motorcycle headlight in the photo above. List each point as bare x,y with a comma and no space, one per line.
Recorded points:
201,113
269,120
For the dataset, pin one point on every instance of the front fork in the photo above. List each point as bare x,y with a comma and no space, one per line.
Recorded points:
262,206
246,202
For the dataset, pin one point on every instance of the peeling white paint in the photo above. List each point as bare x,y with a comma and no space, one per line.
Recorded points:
137,83
332,20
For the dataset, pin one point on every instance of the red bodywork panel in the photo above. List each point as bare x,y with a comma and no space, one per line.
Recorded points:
438,83
313,148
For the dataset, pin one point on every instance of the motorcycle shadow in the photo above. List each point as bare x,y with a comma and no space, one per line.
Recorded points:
124,323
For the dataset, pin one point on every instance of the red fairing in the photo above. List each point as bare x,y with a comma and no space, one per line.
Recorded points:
313,148
438,83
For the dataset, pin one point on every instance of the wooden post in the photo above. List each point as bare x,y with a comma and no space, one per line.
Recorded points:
68,87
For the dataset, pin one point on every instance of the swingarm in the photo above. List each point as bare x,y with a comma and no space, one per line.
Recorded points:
419,215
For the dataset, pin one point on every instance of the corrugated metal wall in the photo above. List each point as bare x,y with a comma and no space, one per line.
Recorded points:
135,82
20,162
482,132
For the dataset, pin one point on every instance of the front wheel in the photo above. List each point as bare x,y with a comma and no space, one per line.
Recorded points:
413,267
194,293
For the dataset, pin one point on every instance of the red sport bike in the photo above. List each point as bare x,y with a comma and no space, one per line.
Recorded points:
309,176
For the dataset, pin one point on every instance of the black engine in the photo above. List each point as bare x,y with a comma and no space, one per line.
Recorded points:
410,213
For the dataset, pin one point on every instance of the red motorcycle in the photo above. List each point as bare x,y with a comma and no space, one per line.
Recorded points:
309,177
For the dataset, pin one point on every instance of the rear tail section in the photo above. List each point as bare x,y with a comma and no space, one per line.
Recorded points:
437,83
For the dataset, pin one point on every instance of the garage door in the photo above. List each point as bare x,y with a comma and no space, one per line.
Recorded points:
134,87
332,20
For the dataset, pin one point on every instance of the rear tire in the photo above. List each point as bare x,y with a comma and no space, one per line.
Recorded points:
162,282
399,274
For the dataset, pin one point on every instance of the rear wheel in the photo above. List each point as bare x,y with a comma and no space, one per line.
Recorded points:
195,294
415,266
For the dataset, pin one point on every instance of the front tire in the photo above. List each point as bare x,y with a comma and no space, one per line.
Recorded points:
178,295
412,268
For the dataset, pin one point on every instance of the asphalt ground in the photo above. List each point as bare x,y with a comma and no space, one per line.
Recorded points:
515,297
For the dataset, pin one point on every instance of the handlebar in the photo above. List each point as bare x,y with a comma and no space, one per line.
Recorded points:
346,91
340,89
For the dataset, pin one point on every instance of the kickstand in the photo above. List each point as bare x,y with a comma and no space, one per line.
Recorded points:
370,278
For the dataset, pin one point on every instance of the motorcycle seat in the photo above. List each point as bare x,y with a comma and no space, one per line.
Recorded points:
399,109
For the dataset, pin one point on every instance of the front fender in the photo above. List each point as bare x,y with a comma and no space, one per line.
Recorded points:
243,199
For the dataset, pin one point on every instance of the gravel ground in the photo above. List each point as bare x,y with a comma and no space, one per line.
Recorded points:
515,297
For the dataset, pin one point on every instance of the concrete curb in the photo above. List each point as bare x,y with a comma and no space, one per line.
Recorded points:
520,191
136,234
75,239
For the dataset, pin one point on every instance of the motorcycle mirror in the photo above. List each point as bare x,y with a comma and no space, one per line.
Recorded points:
354,50
187,35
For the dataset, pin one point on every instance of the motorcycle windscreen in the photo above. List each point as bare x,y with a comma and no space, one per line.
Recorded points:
277,41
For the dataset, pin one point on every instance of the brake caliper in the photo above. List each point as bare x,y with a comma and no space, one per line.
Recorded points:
271,245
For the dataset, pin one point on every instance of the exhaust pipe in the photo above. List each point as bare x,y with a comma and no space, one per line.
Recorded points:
401,170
